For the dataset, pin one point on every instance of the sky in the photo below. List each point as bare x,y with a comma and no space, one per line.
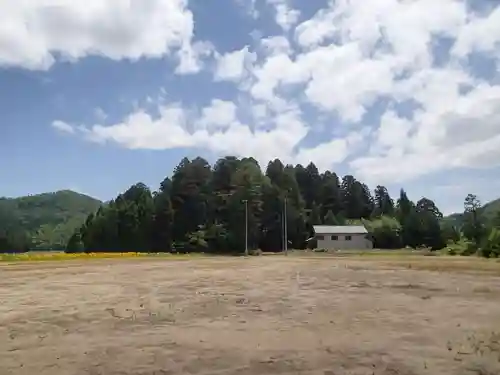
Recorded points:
97,95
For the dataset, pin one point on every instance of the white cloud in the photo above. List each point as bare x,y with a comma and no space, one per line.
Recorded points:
276,44
141,131
219,115
327,154
460,131
355,53
392,135
233,66
362,71
34,32
286,16
480,34
191,57
344,81
217,130
314,31
63,127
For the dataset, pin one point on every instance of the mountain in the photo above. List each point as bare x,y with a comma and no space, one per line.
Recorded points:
488,212
49,219
491,209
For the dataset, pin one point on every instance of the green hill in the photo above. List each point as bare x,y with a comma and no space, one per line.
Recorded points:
489,211
49,219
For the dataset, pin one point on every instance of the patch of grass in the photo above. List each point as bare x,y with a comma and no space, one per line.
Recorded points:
392,253
448,264
61,256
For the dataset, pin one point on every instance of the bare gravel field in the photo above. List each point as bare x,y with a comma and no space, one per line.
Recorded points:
255,316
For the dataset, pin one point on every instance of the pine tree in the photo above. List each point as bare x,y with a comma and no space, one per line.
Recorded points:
473,226
309,182
190,196
162,223
330,218
330,198
383,203
315,215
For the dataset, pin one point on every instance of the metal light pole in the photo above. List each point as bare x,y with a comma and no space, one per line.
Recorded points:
285,229
246,226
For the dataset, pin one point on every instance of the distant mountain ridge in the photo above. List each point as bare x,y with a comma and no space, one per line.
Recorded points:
48,219
488,212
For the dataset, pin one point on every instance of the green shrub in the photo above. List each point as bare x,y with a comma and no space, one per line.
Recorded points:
462,247
491,246
451,251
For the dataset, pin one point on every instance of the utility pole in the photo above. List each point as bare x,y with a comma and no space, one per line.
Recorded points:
286,230
246,226
282,216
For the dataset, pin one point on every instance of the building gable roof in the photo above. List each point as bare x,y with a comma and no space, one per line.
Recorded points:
340,229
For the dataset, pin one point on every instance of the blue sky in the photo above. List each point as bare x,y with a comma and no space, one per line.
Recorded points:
96,95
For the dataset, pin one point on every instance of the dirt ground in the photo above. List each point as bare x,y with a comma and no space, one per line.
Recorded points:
262,315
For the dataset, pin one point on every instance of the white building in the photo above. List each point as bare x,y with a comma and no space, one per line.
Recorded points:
339,237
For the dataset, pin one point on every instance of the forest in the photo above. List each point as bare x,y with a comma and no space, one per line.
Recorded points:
201,208
43,221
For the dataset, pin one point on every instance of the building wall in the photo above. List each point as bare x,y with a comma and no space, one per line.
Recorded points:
358,241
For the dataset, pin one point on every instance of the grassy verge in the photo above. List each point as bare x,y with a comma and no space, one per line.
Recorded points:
413,259
61,256
433,261
470,264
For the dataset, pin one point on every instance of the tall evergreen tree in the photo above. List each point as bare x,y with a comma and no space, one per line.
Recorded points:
354,199
404,206
315,215
162,223
367,203
190,195
383,203
473,226
330,198
272,219
222,186
285,180
430,215
330,218
309,181
249,184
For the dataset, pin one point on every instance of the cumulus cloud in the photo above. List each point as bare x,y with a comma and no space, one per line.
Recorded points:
276,44
461,131
191,57
219,115
364,73
217,129
34,32
232,66
481,34
63,127
285,16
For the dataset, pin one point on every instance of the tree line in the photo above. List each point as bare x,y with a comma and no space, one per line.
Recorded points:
204,208
12,235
